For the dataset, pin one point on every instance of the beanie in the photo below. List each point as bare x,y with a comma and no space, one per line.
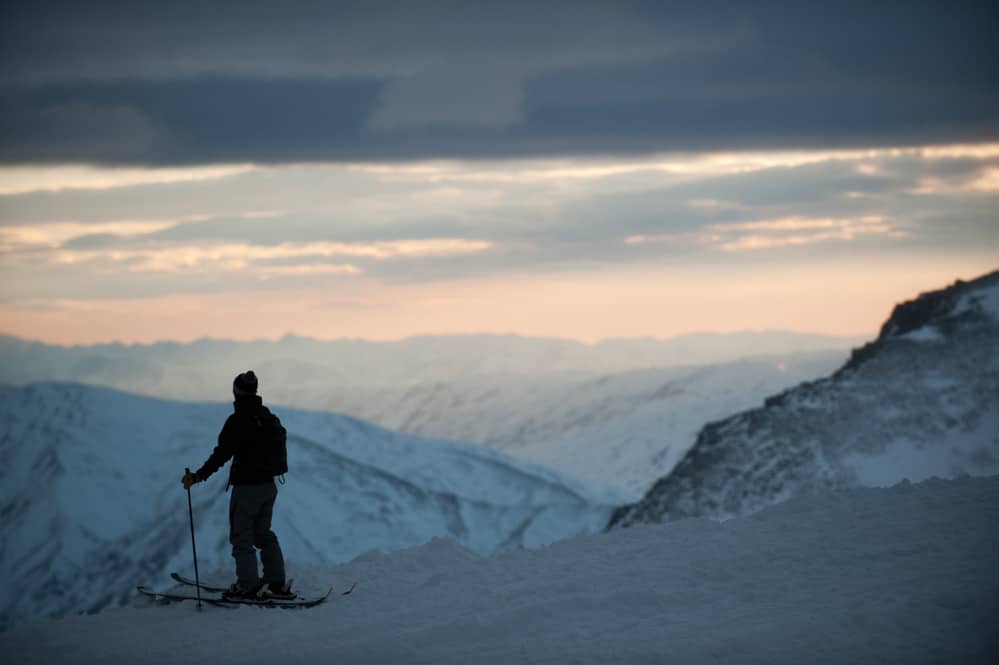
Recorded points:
245,384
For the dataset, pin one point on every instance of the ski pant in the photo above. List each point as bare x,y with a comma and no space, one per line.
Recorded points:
250,510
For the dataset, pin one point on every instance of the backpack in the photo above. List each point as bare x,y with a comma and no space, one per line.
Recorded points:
272,442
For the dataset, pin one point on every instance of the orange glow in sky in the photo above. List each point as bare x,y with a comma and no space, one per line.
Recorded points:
830,299
810,241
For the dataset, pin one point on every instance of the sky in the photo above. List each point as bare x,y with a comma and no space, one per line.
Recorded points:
581,170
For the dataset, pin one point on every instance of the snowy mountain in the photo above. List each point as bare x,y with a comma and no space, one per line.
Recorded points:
617,431
904,575
91,499
921,400
620,433
510,411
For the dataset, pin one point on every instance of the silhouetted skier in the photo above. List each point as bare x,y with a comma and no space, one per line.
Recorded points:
254,438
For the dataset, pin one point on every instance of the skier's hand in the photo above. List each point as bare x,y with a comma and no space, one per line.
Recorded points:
189,479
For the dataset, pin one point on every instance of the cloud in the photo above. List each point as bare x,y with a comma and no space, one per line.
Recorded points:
790,232
21,180
451,96
310,225
63,41
285,258
190,84
77,130
74,235
307,269
775,233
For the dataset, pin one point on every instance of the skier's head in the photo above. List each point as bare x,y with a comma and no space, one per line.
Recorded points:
245,384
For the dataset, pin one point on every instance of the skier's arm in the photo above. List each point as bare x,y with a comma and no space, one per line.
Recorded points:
223,452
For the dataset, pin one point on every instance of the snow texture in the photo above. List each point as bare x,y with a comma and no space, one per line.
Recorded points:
902,575
91,501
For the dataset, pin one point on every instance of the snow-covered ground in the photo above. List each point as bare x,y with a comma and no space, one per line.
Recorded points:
900,575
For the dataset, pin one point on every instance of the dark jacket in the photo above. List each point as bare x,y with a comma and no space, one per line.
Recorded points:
237,441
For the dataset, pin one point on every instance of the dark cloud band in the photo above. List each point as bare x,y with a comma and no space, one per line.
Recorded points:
339,82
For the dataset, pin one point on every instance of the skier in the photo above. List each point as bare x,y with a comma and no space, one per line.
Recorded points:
253,493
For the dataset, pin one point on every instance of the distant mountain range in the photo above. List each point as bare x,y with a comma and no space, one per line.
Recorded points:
91,502
203,370
921,400
616,414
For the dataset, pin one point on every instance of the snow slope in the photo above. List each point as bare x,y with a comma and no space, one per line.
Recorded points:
920,400
903,575
91,499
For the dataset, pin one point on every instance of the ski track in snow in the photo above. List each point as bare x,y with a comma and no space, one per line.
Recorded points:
899,575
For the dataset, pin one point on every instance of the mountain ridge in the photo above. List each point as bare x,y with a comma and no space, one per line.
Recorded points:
204,363
934,308
921,400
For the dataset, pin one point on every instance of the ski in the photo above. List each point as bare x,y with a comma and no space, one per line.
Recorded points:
177,577
189,582
232,602
176,597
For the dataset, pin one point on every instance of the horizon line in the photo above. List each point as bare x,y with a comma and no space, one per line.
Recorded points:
291,335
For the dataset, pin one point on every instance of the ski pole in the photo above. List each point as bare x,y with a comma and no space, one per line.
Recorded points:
194,548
